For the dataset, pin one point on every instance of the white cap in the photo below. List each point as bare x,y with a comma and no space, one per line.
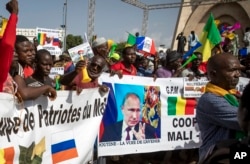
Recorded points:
98,42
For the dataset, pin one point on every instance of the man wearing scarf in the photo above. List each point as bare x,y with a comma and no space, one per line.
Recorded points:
217,108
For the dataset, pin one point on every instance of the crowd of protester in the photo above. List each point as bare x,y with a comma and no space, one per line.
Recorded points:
25,73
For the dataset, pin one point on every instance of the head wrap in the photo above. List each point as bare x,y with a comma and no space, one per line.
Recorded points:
98,42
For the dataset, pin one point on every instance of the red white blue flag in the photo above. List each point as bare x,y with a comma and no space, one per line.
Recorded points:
63,146
146,44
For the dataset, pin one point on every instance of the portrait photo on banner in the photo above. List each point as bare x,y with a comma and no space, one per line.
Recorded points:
135,111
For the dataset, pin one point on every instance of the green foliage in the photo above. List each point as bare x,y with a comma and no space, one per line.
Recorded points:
73,41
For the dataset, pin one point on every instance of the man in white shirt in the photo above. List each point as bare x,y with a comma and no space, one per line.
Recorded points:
192,40
246,37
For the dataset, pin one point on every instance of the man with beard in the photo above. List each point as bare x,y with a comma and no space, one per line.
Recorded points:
94,70
125,67
217,108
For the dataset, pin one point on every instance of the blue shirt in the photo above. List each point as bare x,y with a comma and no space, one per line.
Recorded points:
217,121
144,72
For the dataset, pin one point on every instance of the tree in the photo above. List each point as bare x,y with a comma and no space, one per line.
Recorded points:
73,41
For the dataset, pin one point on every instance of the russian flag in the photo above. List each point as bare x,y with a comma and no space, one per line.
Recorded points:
7,155
146,44
56,42
63,146
110,114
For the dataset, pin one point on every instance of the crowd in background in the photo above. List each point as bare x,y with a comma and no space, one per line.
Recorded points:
25,73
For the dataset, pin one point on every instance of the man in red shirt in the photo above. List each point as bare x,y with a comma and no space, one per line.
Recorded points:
7,48
125,67
25,57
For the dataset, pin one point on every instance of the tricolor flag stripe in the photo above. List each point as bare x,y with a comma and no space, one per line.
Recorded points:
7,155
180,106
62,136
41,38
64,155
190,105
63,146
172,101
4,24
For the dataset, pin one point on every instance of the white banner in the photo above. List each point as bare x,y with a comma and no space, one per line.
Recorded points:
64,130
44,131
56,71
162,107
83,50
49,39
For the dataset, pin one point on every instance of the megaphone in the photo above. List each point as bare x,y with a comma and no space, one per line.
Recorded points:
110,43
189,60
85,74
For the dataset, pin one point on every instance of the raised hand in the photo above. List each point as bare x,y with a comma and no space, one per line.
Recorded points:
12,6
80,65
140,135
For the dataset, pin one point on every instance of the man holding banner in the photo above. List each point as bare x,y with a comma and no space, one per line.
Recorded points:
217,108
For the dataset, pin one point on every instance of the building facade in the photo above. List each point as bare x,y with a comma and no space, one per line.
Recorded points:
193,17
30,33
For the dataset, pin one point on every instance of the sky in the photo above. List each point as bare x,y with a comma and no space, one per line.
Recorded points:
112,20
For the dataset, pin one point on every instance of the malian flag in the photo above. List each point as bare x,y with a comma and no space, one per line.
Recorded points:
41,38
146,44
63,146
180,106
131,41
7,155
210,37
4,24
